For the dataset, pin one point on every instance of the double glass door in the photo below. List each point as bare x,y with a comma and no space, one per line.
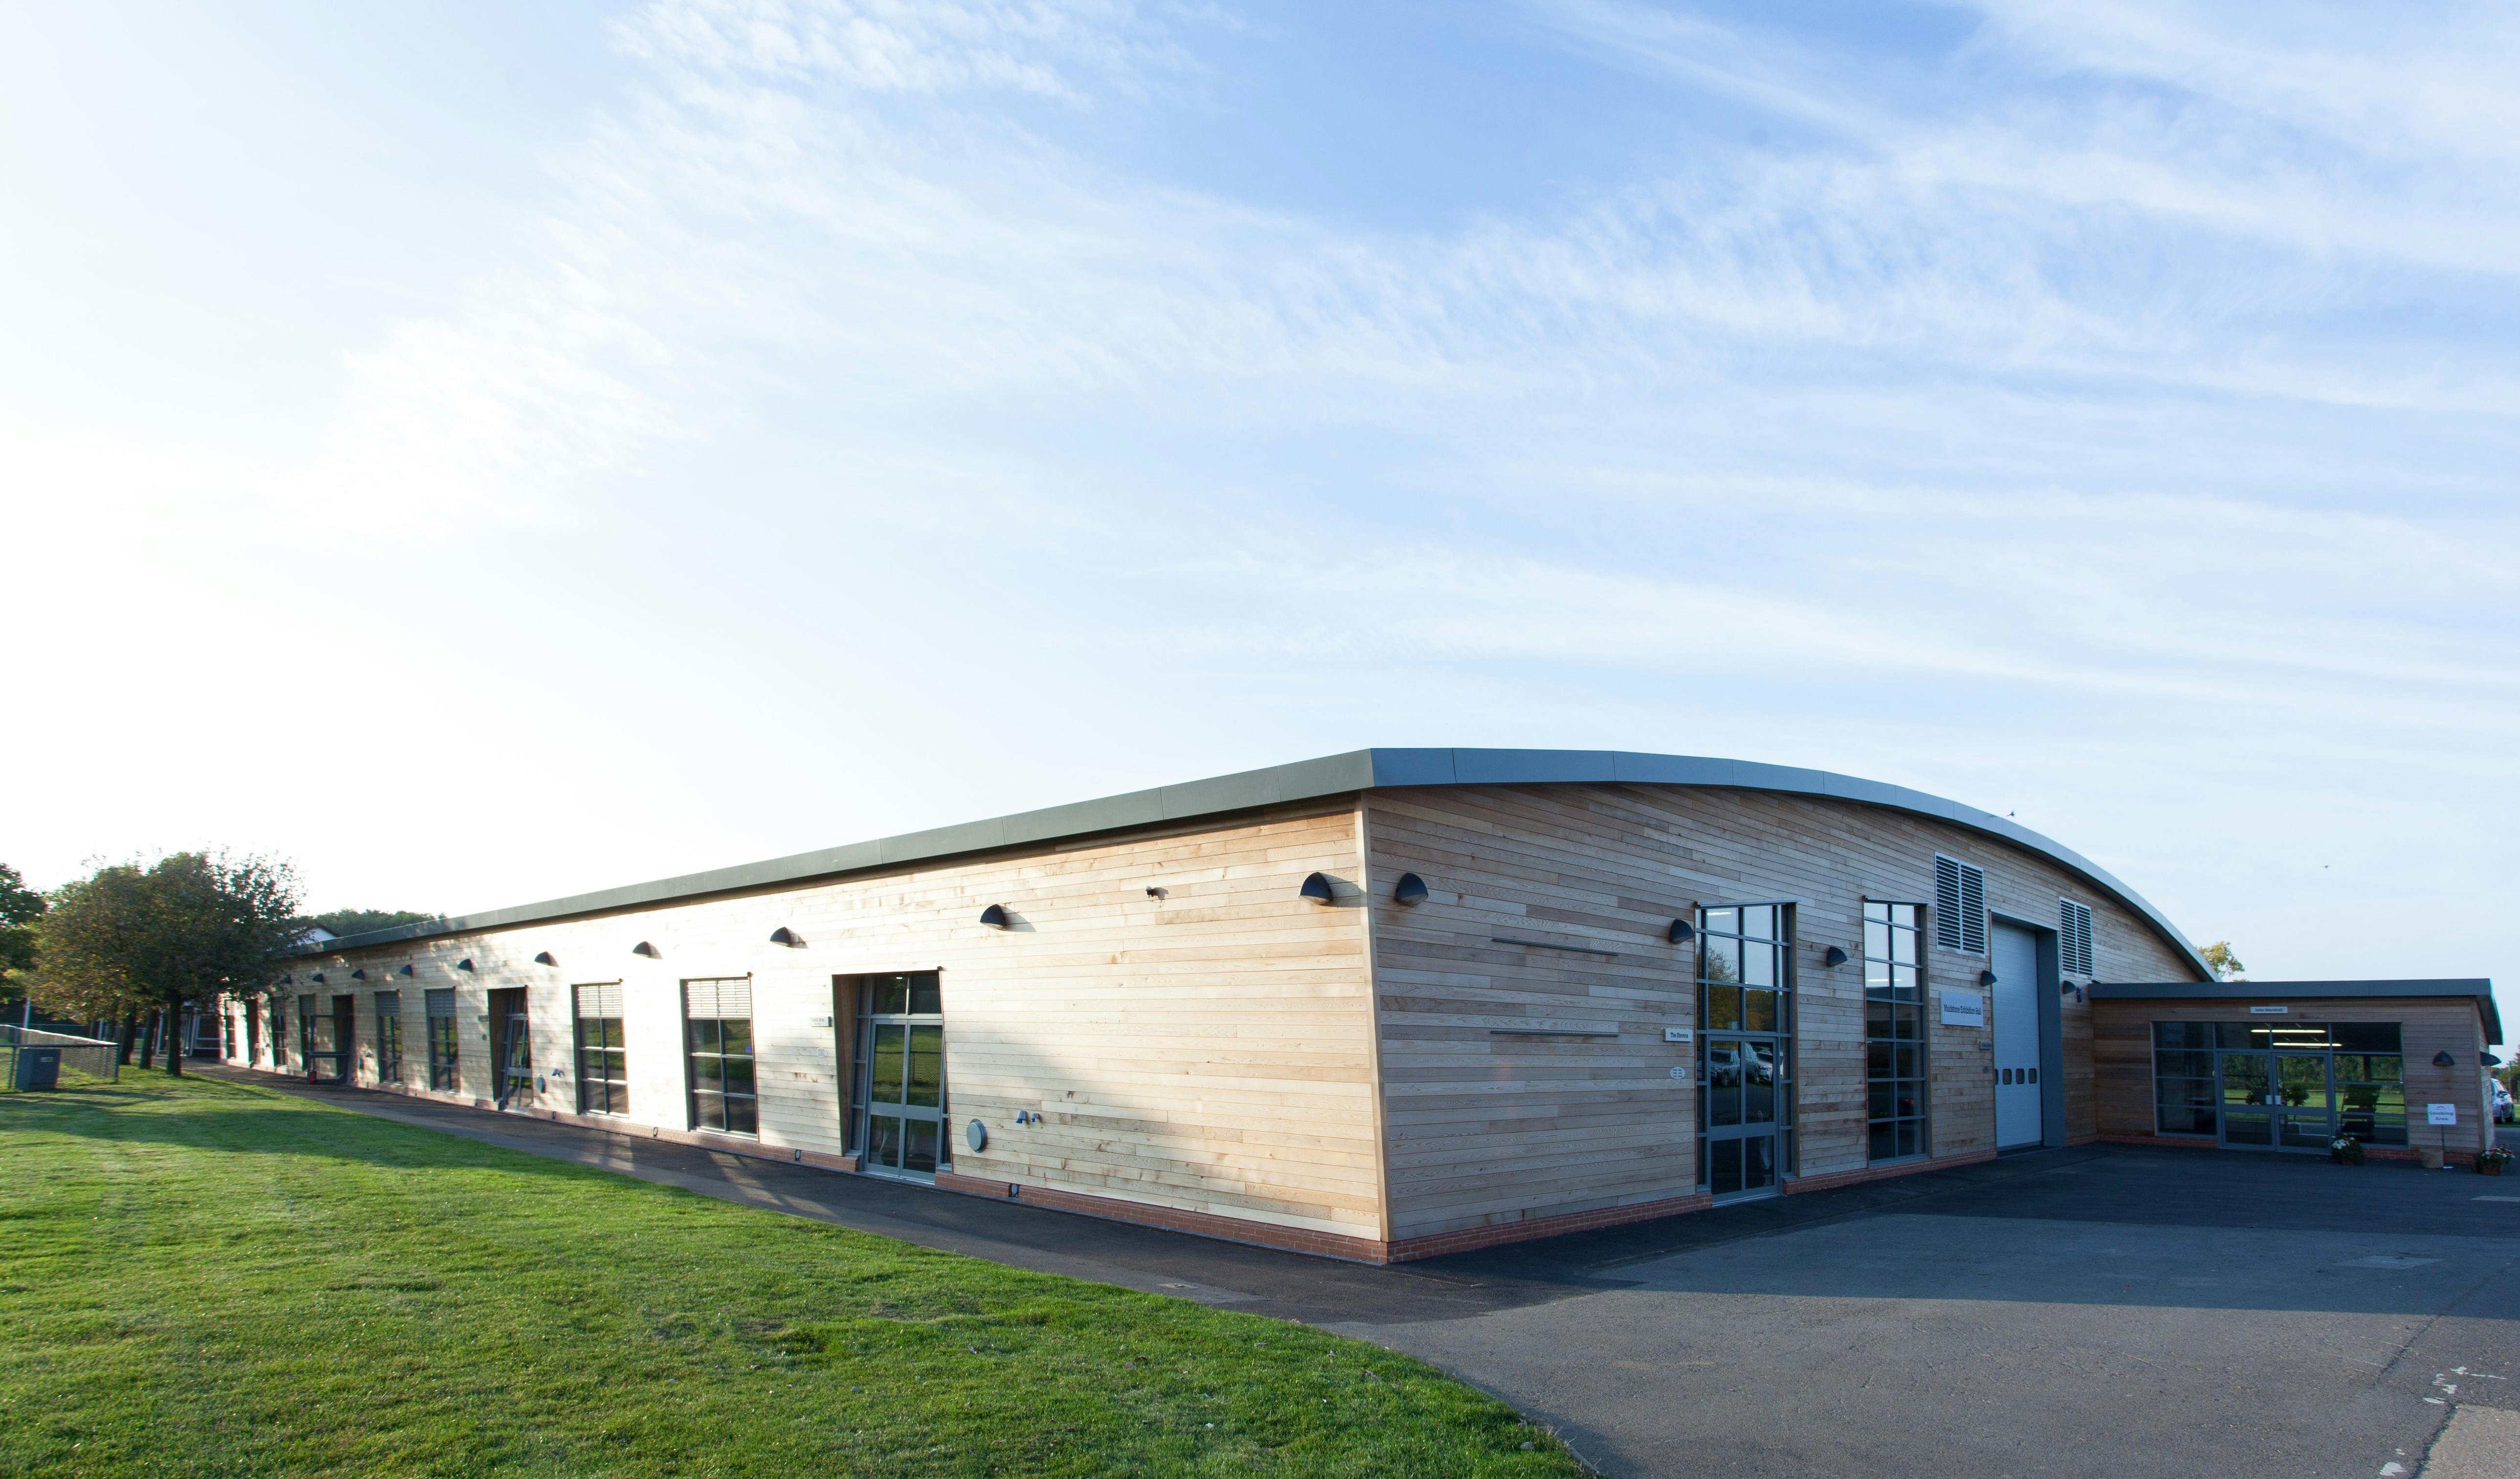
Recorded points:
1741,1115
325,1040
2282,1101
901,1074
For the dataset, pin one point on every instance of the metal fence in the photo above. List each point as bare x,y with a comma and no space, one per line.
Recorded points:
82,1057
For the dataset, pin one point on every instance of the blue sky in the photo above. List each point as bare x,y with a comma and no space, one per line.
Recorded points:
486,451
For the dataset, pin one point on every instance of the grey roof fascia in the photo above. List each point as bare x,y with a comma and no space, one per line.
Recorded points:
2478,987
1301,780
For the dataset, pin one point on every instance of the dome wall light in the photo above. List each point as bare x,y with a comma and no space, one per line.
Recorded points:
359,974
642,948
1681,932
1156,893
1410,889
406,968
1986,978
783,935
2488,1060
1316,887
544,958
464,964
1836,957
995,916
2443,1059
317,978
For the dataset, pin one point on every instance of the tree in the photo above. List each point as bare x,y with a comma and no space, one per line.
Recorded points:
177,933
20,908
350,921
2226,964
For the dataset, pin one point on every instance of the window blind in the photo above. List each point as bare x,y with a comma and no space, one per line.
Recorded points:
442,1003
602,999
728,999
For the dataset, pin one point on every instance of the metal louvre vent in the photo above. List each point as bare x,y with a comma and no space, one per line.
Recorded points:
728,999
2074,936
602,1000
1960,905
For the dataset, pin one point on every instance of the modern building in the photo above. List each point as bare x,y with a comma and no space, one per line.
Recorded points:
1390,1004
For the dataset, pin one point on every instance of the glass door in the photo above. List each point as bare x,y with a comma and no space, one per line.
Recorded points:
511,1046
2248,1083
901,1075
1740,1117
325,1044
2305,1116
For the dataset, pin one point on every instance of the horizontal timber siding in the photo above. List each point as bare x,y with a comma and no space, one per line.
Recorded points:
1485,1129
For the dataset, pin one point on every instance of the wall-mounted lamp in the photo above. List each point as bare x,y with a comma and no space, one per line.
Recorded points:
284,980
1316,887
1986,978
1154,893
359,974
317,978
464,964
1682,931
1835,957
2443,1059
783,935
406,968
642,948
1410,889
2068,988
544,958
2488,1060
995,916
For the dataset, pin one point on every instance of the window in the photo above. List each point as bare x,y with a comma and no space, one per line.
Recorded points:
1959,906
603,1063
388,1037
1894,1029
897,1094
2072,938
717,1018
2182,1077
279,1033
307,1032
1744,1054
442,1069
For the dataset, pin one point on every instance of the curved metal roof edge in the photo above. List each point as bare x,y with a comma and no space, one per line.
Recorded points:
1303,780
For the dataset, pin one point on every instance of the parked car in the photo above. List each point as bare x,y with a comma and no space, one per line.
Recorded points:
2501,1103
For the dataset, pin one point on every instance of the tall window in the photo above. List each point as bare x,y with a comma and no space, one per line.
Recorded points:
1959,906
279,1033
1894,1029
2370,1082
1745,1058
443,1074
603,1063
717,1018
388,1037
897,1094
2182,1077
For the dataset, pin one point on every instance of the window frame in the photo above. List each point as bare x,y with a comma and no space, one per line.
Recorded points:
613,1091
1786,941
1920,1041
696,1058
445,1071
388,1035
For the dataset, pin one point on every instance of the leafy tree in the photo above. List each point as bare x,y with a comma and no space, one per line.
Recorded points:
179,932
20,908
2224,961
350,921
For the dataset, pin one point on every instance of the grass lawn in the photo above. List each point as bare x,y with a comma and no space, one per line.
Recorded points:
207,1278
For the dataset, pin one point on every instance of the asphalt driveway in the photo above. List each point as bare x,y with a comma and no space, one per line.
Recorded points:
2094,1312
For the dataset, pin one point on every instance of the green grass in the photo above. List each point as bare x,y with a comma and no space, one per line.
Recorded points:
208,1278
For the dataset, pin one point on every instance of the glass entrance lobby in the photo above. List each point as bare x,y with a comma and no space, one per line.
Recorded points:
2282,1086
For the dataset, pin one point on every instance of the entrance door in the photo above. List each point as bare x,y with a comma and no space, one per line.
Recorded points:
901,1074
511,1046
2248,1093
1740,1117
2304,1117
2018,1119
325,1040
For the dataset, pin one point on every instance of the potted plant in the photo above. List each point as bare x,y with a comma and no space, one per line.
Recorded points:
2345,1150
2491,1160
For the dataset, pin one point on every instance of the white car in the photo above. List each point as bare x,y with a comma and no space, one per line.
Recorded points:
2501,1103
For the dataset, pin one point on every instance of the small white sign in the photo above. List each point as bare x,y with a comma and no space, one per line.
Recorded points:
1679,1075
2269,1011
2440,1114
1963,1009
819,1021
1675,1034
